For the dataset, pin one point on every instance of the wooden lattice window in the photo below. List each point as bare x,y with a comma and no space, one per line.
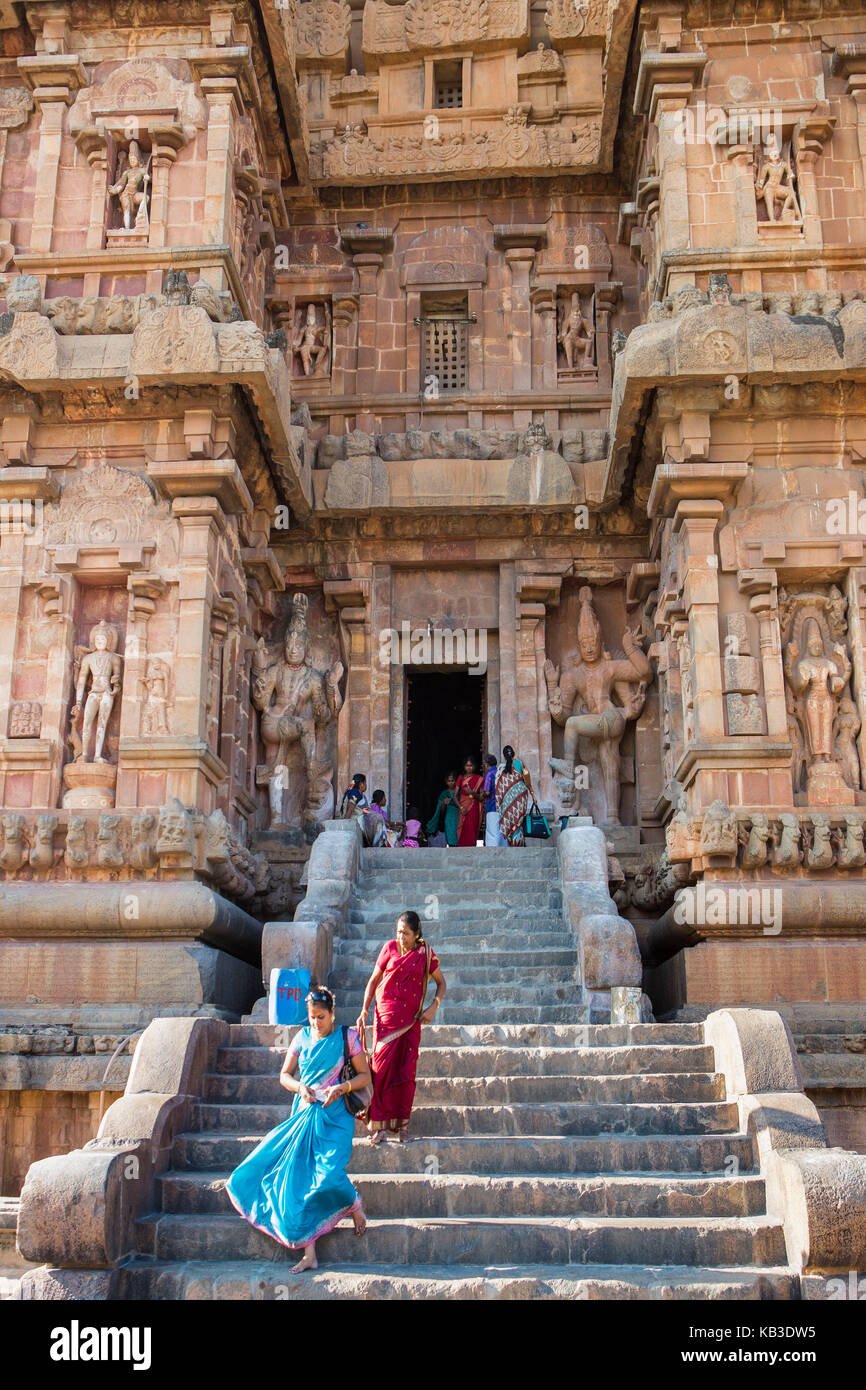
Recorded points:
445,336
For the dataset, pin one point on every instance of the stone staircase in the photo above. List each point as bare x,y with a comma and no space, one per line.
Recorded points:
553,1158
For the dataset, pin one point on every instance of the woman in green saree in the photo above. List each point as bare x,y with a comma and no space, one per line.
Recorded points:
447,806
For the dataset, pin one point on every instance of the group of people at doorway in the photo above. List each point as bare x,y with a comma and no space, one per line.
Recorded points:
502,796
294,1186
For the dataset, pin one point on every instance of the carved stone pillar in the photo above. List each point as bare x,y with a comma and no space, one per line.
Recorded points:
607,296
508,690
351,600
367,246
529,658
856,595
696,523
144,590
54,79
849,61
760,585
665,85
345,345
380,679
166,143
93,144
520,245
741,159
224,108
810,137
544,339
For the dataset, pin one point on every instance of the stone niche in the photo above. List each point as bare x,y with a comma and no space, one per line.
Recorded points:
563,652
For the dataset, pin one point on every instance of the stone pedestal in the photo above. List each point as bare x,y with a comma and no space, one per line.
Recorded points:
825,786
89,785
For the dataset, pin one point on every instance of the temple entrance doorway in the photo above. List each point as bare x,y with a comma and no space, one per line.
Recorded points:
445,724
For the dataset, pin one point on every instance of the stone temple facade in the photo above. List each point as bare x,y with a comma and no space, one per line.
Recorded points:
381,383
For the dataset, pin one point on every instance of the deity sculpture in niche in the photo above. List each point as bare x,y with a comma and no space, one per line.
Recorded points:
775,187
311,340
297,703
575,335
101,667
817,673
594,702
131,188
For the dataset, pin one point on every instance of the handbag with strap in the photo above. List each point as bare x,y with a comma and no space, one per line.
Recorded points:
357,1102
536,827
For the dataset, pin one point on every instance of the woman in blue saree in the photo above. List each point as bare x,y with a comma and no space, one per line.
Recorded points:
294,1185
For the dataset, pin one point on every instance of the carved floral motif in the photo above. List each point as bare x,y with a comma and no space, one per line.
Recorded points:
322,28
355,154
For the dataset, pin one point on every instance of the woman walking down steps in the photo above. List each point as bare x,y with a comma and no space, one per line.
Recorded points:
556,1159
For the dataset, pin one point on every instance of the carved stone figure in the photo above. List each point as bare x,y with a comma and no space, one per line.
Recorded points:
817,671
576,335
109,854
787,853
719,833
100,667
756,851
294,700
42,849
311,340
142,852
131,188
819,851
847,729
584,705
76,854
14,846
775,186
851,853
154,714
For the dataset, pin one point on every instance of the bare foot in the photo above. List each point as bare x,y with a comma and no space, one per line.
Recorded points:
378,1137
404,1138
308,1261
360,1221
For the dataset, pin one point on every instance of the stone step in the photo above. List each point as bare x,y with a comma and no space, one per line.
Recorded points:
834,1069
248,1280
358,954
508,1194
552,1119
384,901
460,932
467,1061
513,986
462,1013
471,976
495,1154
469,884
498,1089
521,1035
537,851
710,1241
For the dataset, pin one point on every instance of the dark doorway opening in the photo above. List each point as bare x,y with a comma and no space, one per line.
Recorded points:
444,725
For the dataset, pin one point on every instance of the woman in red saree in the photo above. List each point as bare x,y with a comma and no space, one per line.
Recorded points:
399,982
470,794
